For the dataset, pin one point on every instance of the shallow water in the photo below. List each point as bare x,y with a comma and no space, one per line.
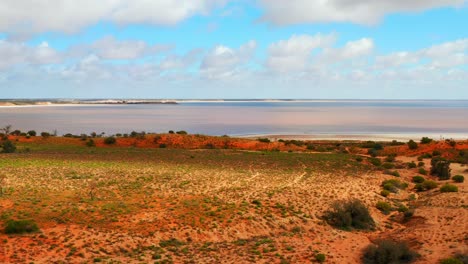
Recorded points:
249,118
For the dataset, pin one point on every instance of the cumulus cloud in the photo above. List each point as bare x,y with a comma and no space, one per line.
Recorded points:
15,53
69,16
223,61
280,12
294,53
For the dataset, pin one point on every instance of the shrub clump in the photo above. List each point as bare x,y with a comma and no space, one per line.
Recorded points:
426,185
21,226
349,214
426,140
384,207
387,251
320,258
418,179
458,178
394,185
110,140
411,165
375,161
385,193
412,144
449,188
451,261
441,168
8,147
90,143
264,140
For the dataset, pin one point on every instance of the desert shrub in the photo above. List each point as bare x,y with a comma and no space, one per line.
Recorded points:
429,185
426,140
384,207
32,133
21,226
385,193
359,159
441,168
396,143
349,214
436,153
16,132
402,208
421,164
320,258
388,165
171,132
375,161
373,152
418,179
426,156
458,178
451,261
162,145
449,188
390,158
419,187
422,171
372,145
45,134
388,252
412,144
90,143
393,185
393,173
8,147
182,132
411,165
110,140
264,140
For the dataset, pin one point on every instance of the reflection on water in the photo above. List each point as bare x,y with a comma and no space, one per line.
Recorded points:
236,118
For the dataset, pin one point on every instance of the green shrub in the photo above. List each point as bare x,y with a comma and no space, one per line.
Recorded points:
162,145
385,193
411,165
418,179
441,168
320,258
45,134
110,140
359,159
21,226
8,147
412,144
426,140
32,133
458,178
375,161
373,152
388,252
264,140
349,214
451,261
182,132
421,164
388,165
90,143
402,208
429,185
393,173
449,188
422,171
384,207
436,153
393,185
390,158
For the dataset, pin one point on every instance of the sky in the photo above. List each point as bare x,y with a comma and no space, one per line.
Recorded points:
314,49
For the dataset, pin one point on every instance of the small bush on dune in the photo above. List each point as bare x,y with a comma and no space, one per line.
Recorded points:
458,178
412,144
393,173
45,134
426,185
411,165
384,207
264,140
451,261
349,214
385,193
449,188
8,147
426,140
375,161
441,168
422,171
90,143
182,132
388,165
320,258
21,226
388,252
32,133
421,164
418,179
393,185
110,140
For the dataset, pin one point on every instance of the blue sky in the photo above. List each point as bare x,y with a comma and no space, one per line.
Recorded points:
386,49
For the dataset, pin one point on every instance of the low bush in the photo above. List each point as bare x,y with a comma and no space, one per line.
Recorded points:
21,226
441,168
458,178
426,140
32,133
393,173
388,252
412,144
388,165
411,165
385,193
349,214
384,207
8,147
182,132
426,185
421,164
436,153
418,179
390,158
90,143
110,140
320,258
422,171
45,134
359,159
451,261
449,188
375,161
264,140
393,185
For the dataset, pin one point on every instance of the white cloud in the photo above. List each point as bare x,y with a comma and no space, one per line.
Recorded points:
280,12
27,17
15,53
174,62
294,53
223,61
351,50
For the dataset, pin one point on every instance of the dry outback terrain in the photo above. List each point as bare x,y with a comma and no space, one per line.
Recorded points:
176,198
